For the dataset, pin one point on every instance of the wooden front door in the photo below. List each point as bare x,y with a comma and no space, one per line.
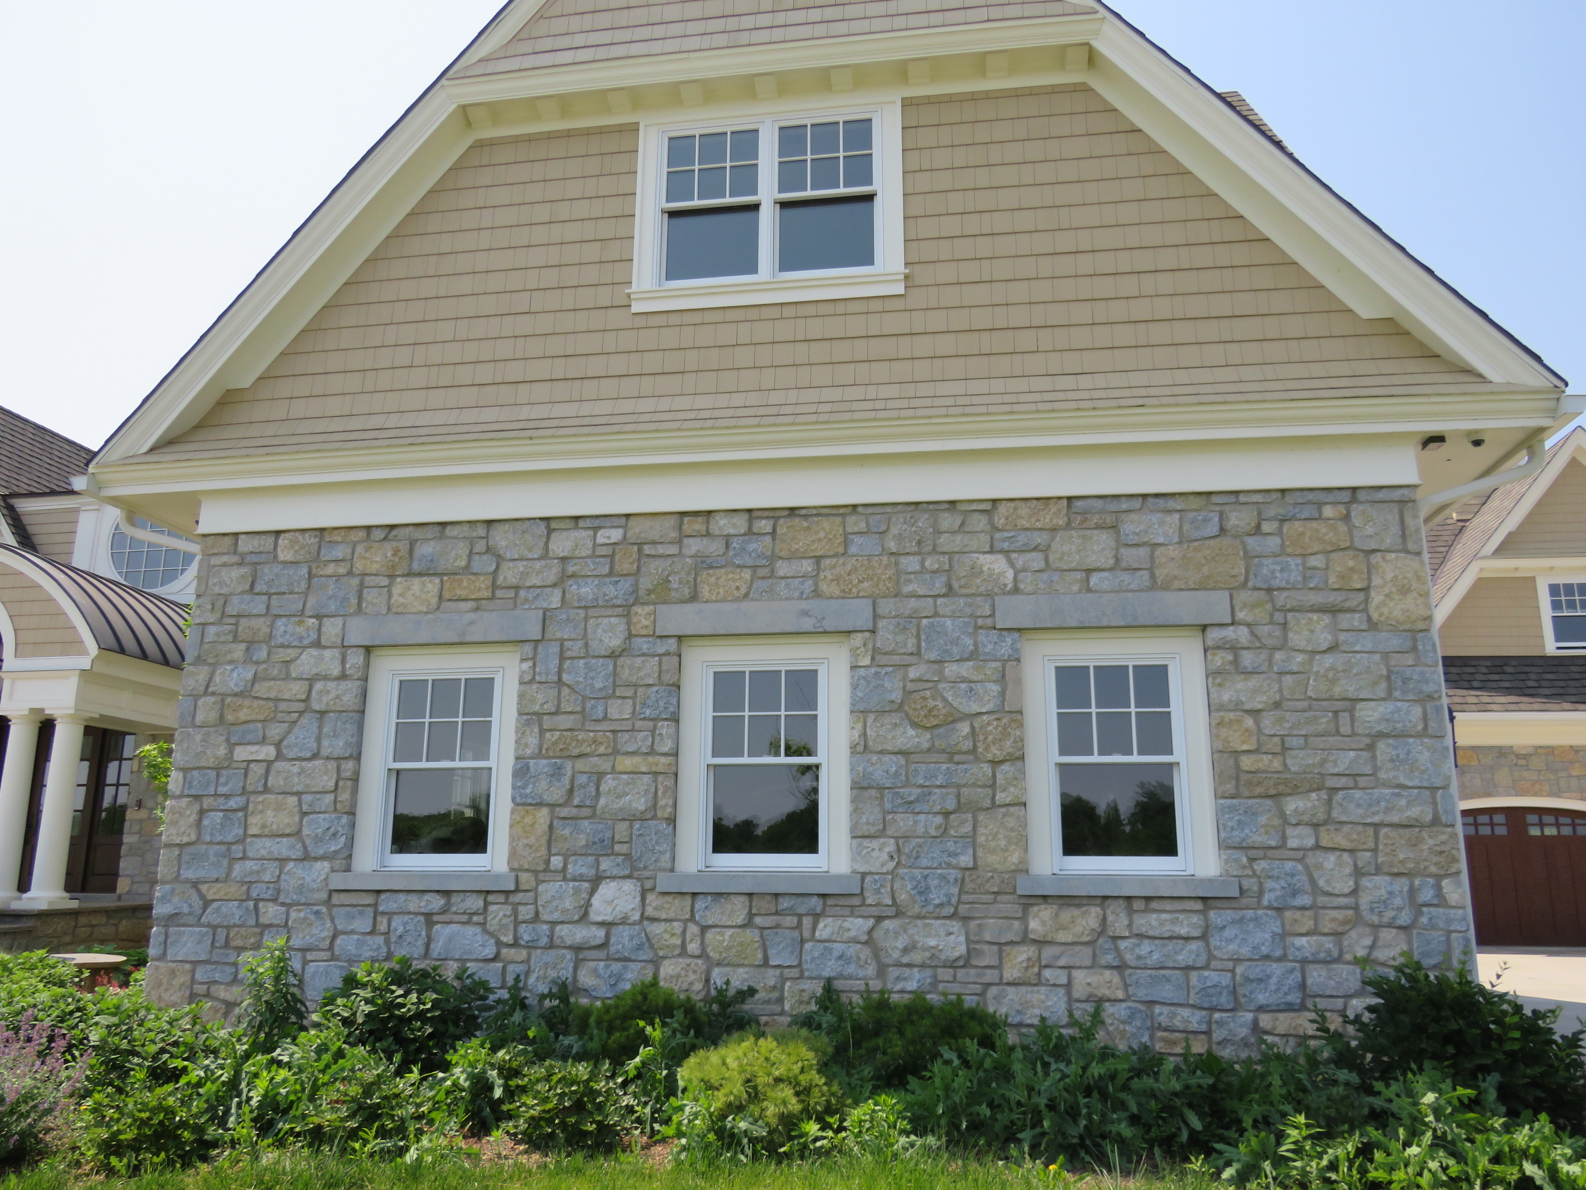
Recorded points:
1527,875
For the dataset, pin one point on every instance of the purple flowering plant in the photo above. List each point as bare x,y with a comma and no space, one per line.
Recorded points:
38,1084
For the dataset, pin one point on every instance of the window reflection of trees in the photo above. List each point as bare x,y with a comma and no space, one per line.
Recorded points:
1150,827
795,833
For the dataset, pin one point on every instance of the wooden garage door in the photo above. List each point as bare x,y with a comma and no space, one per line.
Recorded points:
1528,876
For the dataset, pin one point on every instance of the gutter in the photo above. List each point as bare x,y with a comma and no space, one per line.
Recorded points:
1569,405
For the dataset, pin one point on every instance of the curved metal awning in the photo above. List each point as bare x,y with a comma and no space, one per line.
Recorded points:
118,618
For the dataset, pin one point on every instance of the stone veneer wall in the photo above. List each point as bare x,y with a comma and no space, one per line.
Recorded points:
1522,770
140,841
1329,731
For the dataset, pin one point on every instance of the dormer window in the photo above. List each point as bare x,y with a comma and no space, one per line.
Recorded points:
784,209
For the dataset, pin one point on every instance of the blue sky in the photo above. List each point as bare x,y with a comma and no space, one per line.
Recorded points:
159,153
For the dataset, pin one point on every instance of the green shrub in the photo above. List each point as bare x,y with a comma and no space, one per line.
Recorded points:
571,1107
1473,1033
614,1029
409,1014
751,1094
274,1011
879,1043
146,1122
1430,1138
480,1083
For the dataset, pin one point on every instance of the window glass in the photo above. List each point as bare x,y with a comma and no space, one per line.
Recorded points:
764,769
712,242
1568,604
1118,770
145,565
1552,825
826,233
1485,824
442,766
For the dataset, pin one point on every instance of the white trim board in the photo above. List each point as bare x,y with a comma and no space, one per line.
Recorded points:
1505,729
884,479
1523,803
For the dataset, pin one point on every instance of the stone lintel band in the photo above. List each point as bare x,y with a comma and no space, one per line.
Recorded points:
445,628
1116,609
765,617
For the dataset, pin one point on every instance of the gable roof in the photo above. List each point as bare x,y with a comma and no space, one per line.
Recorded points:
1375,277
575,31
1477,527
1243,106
34,459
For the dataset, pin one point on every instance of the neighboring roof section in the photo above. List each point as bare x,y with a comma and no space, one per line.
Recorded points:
122,619
1489,684
1242,105
569,31
1467,542
35,459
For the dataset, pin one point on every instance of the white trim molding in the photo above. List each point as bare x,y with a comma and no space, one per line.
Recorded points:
1523,803
1500,729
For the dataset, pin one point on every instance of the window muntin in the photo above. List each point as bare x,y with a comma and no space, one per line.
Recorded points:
791,197
440,769
765,769
1552,825
1566,610
146,565
1117,747
1485,824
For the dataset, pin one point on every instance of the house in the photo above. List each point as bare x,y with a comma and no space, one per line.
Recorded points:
90,666
1509,573
909,495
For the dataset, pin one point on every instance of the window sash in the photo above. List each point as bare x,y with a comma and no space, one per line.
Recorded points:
767,199
480,861
762,861
1178,864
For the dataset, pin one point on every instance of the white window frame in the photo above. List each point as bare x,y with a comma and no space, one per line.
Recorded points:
371,836
1545,602
651,293
1184,652
701,658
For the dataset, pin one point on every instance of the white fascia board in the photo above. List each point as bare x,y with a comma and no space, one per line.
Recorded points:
304,275
765,59
1373,275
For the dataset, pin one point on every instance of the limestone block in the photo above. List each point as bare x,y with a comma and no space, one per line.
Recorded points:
1028,1005
1314,537
1065,923
1246,934
724,584
721,909
921,942
381,557
685,976
1214,564
1233,731
666,580
1420,851
734,947
562,900
529,839
930,709
1021,964
542,782
1422,762
1085,549
517,539
1000,839
276,814
1097,984
453,940
809,537
626,795
1030,514
981,574
861,577
839,960
1269,986
932,893
616,901
1348,675
547,969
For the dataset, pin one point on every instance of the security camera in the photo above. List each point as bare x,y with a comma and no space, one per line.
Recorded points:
1477,438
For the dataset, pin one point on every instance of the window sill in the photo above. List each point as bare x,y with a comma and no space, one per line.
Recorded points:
424,881
716,294
1075,885
811,883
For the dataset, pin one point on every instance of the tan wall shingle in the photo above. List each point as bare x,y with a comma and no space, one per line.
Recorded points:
42,628
1556,524
1499,617
1059,260
54,530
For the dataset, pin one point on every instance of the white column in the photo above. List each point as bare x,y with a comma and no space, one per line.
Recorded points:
16,785
55,819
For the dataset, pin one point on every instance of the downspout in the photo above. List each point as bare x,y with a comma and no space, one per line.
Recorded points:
1535,459
140,534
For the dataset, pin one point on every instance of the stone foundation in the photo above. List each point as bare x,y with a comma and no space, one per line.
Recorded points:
1329,731
122,923
1523,770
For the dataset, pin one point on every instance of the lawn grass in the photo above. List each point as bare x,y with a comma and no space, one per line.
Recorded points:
316,1172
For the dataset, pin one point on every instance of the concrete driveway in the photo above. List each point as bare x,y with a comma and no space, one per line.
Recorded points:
1541,977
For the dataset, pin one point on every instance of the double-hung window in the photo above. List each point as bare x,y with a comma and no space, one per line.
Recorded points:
1563,613
437,746
1123,754
761,209
763,780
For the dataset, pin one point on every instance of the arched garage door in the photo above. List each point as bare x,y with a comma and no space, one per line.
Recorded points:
1527,875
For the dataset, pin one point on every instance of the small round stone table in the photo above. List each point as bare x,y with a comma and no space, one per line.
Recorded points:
87,962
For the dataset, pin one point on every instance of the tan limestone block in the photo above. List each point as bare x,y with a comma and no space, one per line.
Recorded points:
1031,514
651,527
929,709
1418,851
982,574
1346,571
1399,594
1065,923
1083,549
685,976
666,580
1021,964
1233,731
1212,565
999,737
1314,537
577,743
669,906
249,710
810,537
645,764
170,985
1096,985
411,595
734,948
720,586
382,557
641,621
529,839
274,814
857,578
625,560
1000,841
298,545
466,586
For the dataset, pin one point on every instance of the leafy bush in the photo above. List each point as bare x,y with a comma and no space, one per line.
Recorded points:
274,1011
481,1081
1430,1138
409,1014
879,1043
1473,1033
572,1107
149,1122
37,1086
751,1094
614,1029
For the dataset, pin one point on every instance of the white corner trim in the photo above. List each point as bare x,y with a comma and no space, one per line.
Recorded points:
766,292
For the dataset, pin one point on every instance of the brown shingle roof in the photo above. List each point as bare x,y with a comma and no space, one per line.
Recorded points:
1242,105
568,31
1478,684
1466,544
35,459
